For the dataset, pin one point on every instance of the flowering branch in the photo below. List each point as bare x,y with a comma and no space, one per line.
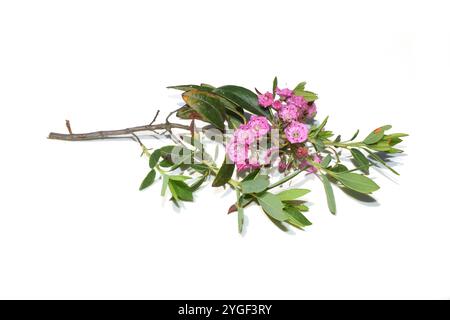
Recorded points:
267,136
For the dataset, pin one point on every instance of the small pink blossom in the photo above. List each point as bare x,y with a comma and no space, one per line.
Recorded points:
289,113
284,93
311,111
237,151
245,134
265,99
296,132
259,126
298,101
277,105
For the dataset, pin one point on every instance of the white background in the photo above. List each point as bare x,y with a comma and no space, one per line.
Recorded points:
74,225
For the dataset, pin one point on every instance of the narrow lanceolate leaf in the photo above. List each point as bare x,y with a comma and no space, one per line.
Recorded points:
164,185
321,126
325,161
292,194
207,106
180,190
354,135
225,173
296,217
154,158
198,183
188,87
240,211
243,98
259,184
275,85
376,135
273,206
377,158
148,180
360,160
357,182
330,194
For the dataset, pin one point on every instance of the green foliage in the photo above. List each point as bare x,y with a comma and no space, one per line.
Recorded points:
272,206
224,174
356,182
329,193
180,190
296,217
256,185
361,161
292,194
148,180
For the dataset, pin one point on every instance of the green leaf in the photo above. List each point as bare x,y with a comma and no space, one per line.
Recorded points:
188,87
377,158
164,185
300,87
197,184
201,168
325,161
148,180
179,178
308,95
357,182
180,190
296,218
275,85
272,206
251,175
339,167
360,160
320,127
259,184
154,158
292,194
376,135
354,135
243,98
207,105
187,112
225,173
330,194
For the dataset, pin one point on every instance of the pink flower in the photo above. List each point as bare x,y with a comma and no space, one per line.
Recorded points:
277,105
289,113
265,99
245,134
296,132
258,125
311,111
298,101
237,151
284,93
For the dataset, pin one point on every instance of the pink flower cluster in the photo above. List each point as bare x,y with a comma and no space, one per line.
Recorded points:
292,110
238,149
